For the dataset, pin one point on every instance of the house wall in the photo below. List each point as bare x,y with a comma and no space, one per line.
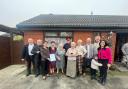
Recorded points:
77,35
103,34
82,35
33,34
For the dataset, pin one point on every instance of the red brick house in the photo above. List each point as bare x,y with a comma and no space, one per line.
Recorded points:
58,27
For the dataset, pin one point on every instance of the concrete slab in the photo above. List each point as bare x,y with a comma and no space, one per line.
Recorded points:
13,77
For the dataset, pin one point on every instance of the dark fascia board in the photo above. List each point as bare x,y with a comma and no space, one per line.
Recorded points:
9,30
68,26
69,29
12,31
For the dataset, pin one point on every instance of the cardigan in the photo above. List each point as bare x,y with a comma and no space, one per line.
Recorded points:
105,53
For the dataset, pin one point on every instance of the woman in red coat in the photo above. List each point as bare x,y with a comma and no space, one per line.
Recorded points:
105,58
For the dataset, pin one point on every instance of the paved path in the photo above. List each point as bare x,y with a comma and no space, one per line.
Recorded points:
13,77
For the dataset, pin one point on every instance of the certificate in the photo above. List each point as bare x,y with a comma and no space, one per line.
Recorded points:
52,57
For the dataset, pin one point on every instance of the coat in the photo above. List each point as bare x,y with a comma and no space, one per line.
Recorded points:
36,52
25,54
44,54
91,52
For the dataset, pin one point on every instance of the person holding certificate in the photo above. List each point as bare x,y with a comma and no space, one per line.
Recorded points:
52,60
71,63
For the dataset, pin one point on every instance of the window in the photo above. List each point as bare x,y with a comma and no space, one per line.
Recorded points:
58,37
17,37
58,34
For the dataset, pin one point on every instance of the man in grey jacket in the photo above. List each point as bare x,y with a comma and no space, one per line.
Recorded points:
90,53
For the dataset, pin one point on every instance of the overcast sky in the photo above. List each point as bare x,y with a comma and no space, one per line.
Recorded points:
14,11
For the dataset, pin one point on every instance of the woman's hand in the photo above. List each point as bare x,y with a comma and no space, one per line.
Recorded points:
22,59
109,65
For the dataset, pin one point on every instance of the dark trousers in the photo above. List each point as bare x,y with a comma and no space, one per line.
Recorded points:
37,66
29,61
103,69
65,66
43,67
93,73
47,66
87,63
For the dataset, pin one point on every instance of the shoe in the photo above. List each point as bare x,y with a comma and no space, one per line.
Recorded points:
84,74
44,78
103,83
28,74
36,75
100,80
95,78
92,78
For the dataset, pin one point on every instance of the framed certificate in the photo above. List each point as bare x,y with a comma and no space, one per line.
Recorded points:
52,57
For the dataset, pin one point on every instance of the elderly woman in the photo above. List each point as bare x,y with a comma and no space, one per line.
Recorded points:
71,63
60,55
81,53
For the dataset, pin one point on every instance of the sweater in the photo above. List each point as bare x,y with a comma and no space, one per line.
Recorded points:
105,53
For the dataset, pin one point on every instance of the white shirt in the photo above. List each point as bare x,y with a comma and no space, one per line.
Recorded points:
88,51
95,64
30,47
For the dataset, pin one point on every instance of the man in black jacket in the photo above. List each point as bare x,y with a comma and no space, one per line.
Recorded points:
28,56
37,56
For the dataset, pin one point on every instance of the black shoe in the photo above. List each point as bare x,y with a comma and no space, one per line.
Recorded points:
36,75
92,78
28,74
100,80
103,83
95,78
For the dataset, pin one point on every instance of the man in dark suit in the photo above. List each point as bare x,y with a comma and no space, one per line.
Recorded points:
28,56
37,56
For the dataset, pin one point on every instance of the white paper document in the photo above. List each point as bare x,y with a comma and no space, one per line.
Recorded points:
52,57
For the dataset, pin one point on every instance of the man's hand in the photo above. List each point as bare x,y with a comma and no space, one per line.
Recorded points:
22,59
38,52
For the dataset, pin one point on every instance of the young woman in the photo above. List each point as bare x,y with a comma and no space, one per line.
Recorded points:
71,62
60,55
105,58
52,61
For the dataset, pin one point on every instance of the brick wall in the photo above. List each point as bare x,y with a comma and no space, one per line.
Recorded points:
33,34
103,34
77,35
82,35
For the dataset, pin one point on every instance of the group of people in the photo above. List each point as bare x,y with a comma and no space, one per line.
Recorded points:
73,59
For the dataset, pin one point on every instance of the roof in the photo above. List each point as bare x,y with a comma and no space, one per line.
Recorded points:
9,29
75,21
